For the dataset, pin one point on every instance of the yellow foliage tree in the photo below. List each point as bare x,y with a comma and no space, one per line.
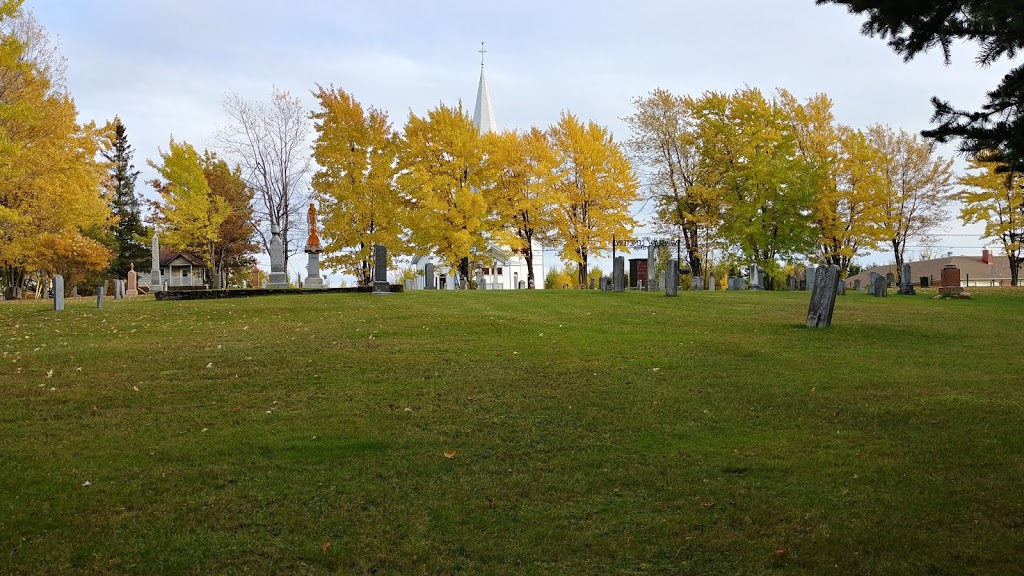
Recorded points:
189,214
594,188
666,143
847,180
441,163
993,195
520,168
360,206
50,178
916,188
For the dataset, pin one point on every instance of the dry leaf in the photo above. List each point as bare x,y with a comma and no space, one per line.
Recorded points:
86,484
210,365
325,547
49,373
449,454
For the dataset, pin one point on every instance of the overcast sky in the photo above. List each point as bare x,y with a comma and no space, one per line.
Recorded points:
164,66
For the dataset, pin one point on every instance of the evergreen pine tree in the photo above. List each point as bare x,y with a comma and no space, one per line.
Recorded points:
912,27
128,232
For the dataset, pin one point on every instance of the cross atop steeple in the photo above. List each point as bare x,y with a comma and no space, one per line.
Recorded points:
482,52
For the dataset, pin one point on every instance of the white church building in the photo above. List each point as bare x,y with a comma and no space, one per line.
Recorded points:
498,268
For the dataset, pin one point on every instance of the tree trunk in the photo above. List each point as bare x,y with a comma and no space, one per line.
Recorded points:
1015,263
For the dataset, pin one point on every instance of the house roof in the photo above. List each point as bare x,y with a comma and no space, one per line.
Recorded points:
972,266
168,256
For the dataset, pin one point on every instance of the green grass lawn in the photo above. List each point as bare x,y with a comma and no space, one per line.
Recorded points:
594,433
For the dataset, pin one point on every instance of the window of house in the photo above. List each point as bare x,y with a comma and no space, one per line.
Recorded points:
500,271
487,270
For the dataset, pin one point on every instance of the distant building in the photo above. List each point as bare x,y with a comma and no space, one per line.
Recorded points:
976,271
178,269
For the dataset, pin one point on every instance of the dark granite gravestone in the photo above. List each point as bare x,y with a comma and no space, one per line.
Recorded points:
881,287
823,296
619,274
810,277
428,276
380,271
856,285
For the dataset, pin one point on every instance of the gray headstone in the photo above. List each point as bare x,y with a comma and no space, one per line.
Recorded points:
856,285
591,283
58,292
380,270
651,267
278,278
696,283
619,274
711,283
906,281
890,279
756,281
101,291
428,276
810,277
672,279
522,284
881,287
872,280
842,287
823,296
792,283
154,275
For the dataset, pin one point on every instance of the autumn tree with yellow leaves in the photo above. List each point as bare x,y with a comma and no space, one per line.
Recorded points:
666,146
520,170
442,175
993,194
188,213
764,185
51,201
593,190
916,187
360,204
847,180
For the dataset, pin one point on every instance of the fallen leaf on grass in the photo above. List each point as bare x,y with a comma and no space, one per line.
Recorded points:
780,552
449,454
490,502
210,365
325,547
86,484
49,373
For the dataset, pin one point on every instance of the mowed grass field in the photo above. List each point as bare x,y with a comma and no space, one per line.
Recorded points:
585,432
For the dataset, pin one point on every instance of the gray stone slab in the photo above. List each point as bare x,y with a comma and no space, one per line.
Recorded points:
101,292
823,296
313,279
428,276
906,281
811,272
58,292
881,287
278,279
672,278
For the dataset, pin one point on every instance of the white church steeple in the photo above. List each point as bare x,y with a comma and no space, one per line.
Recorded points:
483,115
